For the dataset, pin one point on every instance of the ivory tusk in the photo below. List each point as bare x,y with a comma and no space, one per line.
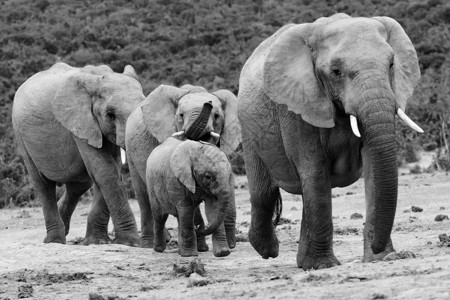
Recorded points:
214,134
178,133
354,125
401,114
123,156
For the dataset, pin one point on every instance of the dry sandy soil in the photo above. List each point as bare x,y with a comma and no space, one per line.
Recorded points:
29,268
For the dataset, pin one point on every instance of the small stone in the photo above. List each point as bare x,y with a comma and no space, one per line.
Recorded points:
95,296
197,280
416,209
356,216
406,211
440,218
25,291
443,238
293,208
441,208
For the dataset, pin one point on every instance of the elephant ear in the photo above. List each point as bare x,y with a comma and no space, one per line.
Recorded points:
289,77
230,137
181,166
158,110
194,88
129,71
406,73
72,107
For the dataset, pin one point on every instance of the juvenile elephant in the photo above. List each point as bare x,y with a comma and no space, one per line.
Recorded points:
168,110
68,123
302,92
180,175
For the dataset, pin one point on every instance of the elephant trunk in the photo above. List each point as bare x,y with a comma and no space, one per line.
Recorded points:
212,227
195,131
378,134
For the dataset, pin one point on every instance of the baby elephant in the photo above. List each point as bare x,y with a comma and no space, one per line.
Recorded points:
180,175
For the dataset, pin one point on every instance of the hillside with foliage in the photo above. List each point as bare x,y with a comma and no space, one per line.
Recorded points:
203,42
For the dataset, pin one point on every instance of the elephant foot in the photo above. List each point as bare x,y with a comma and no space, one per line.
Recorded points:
159,248
264,241
57,236
368,239
231,237
101,239
308,262
127,238
221,252
369,256
146,243
202,246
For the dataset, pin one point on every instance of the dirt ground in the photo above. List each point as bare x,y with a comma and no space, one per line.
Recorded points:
29,268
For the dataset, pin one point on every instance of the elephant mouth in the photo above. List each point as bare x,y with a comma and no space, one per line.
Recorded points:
211,137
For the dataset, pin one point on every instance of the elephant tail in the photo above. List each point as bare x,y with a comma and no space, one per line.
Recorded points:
278,209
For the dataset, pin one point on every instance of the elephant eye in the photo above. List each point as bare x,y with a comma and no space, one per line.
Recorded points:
336,71
208,177
391,65
181,116
216,116
111,115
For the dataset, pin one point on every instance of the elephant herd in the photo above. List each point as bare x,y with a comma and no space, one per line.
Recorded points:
315,110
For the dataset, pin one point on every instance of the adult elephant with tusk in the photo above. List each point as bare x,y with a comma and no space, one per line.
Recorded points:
69,123
302,93
188,112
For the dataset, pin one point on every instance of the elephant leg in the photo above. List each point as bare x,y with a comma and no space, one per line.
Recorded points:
160,232
102,167
202,246
263,198
219,238
97,224
69,200
187,238
147,222
45,190
369,225
315,248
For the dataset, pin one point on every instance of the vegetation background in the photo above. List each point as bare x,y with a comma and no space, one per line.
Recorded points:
203,42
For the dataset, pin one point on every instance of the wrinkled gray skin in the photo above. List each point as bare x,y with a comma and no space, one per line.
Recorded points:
180,175
297,92
68,123
165,111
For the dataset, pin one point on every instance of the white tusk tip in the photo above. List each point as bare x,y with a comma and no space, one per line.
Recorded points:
401,114
354,126
214,134
123,156
178,133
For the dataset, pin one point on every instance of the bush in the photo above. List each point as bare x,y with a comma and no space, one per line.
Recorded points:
201,42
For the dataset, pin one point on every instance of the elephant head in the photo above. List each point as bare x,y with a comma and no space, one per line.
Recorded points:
95,102
169,109
349,70
206,172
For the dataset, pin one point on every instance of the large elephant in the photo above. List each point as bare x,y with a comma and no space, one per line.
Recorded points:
68,123
168,110
302,92
180,175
